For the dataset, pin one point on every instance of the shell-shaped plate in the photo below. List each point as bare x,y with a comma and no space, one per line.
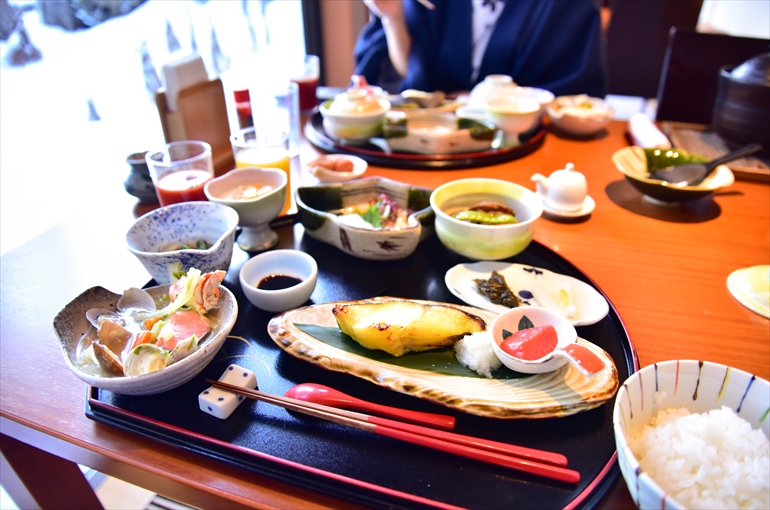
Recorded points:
71,323
560,393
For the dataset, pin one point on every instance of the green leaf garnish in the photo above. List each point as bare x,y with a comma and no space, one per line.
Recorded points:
525,323
372,216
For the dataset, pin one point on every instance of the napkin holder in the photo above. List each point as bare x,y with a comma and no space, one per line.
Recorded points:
201,115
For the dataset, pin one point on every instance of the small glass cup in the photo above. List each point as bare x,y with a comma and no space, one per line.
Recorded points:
180,170
306,78
264,148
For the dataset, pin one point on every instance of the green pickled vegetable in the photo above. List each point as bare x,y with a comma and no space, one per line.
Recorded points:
485,218
497,290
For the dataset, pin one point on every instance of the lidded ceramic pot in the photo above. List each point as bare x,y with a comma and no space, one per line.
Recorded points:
742,106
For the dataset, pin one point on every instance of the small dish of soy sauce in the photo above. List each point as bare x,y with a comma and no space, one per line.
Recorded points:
279,280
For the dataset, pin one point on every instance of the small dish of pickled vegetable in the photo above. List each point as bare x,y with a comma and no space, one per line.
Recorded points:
500,286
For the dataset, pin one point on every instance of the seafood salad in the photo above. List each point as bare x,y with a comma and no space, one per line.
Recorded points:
139,337
379,213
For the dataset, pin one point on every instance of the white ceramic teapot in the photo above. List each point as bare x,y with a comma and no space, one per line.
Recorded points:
564,190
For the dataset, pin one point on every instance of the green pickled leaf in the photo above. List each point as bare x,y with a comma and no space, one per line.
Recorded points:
658,159
439,361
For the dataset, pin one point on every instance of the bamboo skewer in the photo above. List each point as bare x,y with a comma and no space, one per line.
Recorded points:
409,433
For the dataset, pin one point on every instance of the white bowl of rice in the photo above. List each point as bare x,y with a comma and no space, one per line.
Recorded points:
694,434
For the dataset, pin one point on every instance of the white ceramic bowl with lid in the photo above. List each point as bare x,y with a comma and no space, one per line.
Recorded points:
354,116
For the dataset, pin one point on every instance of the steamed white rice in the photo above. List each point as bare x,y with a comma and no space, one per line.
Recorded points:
475,352
709,460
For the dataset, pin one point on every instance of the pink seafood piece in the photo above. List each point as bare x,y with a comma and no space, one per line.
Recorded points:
186,323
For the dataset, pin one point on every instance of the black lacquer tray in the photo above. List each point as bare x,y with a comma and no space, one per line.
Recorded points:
358,466
374,155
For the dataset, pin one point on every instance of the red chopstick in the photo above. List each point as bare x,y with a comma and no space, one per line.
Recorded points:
406,432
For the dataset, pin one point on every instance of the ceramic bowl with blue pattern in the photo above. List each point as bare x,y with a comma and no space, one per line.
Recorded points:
699,387
180,236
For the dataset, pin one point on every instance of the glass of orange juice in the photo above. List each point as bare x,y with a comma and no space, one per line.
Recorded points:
264,148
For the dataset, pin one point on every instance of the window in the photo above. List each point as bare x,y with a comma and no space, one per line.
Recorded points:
89,97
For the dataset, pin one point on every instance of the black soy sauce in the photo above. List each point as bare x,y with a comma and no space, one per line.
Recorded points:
278,282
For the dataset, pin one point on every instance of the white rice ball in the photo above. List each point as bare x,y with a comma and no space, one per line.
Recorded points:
708,460
475,352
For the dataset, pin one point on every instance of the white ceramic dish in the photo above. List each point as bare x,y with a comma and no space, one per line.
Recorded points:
580,115
324,174
292,263
71,323
699,386
751,287
527,282
561,393
254,214
565,333
512,114
186,222
587,208
438,134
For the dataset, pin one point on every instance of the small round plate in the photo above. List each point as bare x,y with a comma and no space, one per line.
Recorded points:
326,175
751,287
586,209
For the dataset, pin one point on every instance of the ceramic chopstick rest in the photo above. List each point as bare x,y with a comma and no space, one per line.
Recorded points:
220,403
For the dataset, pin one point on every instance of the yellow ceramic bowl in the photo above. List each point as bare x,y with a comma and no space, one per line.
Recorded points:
485,242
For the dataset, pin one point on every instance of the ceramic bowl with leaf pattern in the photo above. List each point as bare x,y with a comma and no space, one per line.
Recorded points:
354,216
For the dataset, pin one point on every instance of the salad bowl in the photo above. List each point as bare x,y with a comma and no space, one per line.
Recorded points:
71,324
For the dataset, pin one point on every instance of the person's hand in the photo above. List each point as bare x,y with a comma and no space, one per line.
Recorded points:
386,10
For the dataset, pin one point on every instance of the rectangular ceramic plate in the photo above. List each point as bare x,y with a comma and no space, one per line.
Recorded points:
358,466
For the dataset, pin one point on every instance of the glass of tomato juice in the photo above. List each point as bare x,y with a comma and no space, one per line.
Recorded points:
264,147
180,170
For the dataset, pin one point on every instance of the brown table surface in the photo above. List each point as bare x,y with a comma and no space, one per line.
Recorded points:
663,268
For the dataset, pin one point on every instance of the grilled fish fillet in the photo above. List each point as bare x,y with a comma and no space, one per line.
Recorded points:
401,326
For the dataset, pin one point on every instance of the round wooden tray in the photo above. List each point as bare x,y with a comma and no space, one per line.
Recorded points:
374,155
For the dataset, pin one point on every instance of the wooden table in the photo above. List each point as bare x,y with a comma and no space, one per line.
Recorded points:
663,268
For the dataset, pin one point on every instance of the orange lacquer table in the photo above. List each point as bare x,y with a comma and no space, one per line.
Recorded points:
663,268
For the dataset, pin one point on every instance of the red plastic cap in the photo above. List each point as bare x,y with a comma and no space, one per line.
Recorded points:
241,95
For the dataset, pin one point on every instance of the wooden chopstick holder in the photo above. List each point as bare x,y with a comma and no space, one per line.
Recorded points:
361,422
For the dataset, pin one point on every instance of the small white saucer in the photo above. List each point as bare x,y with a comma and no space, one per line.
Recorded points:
588,207
751,287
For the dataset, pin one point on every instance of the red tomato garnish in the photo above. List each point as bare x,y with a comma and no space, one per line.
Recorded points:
531,343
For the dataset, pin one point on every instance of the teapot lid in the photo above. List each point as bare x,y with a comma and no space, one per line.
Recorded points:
755,71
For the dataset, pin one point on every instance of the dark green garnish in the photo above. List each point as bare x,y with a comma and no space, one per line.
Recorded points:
497,290
524,323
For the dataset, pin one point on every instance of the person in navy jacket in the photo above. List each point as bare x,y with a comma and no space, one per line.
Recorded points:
556,45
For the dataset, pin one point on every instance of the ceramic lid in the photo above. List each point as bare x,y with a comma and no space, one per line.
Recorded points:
755,71
355,101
